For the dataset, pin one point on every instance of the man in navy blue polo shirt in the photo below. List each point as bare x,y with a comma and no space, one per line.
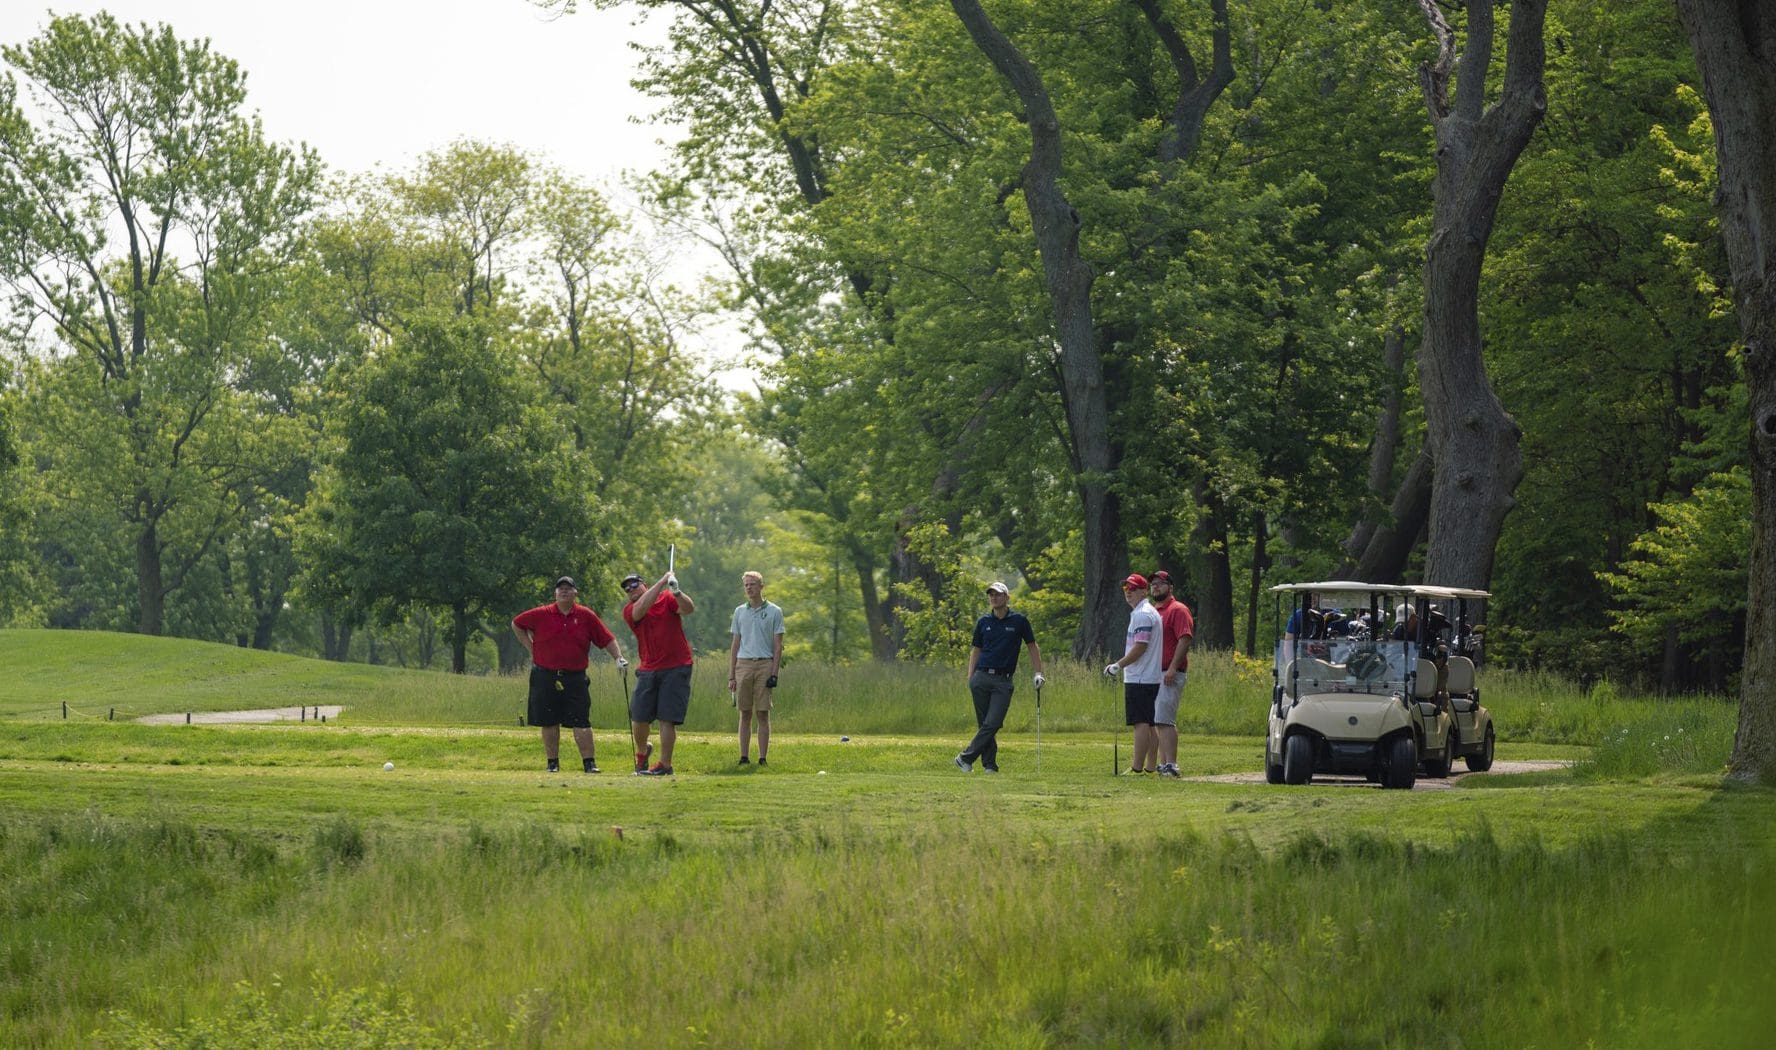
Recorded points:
992,661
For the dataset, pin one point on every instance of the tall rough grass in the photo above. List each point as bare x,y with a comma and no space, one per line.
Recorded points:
830,934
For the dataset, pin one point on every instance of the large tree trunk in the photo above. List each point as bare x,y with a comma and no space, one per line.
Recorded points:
1069,280
460,626
1211,573
336,638
876,615
1255,583
1474,444
150,591
1735,45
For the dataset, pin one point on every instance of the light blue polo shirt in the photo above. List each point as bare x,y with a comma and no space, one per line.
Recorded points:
757,629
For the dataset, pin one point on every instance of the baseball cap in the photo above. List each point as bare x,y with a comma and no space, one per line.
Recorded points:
566,581
1161,575
997,586
1135,582
633,577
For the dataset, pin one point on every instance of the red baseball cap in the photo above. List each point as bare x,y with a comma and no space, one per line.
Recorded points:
1135,582
1161,575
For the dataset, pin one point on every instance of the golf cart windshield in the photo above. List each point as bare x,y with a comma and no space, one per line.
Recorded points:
1338,639
1344,665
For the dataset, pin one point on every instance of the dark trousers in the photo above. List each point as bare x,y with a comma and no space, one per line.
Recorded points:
992,698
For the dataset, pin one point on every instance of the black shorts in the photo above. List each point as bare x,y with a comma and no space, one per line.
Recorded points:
663,695
570,705
1137,702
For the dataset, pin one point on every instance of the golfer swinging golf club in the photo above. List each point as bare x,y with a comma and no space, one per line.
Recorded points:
559,638
992,663
663,682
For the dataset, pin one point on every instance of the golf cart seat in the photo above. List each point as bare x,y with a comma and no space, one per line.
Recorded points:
1461,684
1424,686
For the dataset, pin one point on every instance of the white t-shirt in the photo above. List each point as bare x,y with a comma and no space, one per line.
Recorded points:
1144,626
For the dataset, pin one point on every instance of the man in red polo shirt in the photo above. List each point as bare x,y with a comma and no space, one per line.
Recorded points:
663,682
559,638
1177,631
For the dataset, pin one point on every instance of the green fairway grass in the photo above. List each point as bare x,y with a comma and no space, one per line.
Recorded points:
275,886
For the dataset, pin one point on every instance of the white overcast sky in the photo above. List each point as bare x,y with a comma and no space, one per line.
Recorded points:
371,83
368,82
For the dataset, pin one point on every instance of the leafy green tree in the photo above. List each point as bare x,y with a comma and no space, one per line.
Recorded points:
1608,336
1474,444
1735,46
451,485
144,210
17,578
1687,577
482,232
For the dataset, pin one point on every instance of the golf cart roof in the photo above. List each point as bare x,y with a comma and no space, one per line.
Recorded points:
1348,586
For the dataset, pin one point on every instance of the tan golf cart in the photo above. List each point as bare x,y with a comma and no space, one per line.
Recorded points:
1375,680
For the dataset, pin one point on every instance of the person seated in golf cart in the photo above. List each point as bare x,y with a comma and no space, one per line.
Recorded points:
1307,622
1407,626
1436,656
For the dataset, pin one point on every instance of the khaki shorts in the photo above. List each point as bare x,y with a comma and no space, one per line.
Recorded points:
750,693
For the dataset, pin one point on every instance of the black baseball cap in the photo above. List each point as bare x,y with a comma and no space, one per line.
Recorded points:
566,581
633,577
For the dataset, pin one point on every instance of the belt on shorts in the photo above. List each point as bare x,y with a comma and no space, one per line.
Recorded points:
994,671
553,671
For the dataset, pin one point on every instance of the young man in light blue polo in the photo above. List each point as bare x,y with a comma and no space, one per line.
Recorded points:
992,663
755,658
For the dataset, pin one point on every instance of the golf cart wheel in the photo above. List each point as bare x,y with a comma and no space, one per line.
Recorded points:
1273,773
1402,766
1298,760
1482,762
1438,768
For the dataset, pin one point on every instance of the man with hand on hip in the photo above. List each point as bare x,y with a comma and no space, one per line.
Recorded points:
559,638
755,657
663,682
992,664
1178,629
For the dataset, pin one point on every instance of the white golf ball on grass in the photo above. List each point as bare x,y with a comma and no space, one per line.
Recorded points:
388,766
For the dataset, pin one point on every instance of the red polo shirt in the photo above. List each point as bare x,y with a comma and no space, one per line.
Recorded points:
562,641
659,634
1178,624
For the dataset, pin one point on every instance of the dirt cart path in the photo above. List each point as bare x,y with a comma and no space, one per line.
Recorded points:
1499,768
268,714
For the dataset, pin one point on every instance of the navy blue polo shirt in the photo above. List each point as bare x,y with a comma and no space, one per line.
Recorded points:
998,640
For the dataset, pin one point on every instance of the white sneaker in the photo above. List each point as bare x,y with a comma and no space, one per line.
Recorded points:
964,765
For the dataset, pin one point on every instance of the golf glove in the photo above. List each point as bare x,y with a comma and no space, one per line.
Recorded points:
1040,679
622,664
672,582
1113,670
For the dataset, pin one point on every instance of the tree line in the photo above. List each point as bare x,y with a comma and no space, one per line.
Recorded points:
1253,291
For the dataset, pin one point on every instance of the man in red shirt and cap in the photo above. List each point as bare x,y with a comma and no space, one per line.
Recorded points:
559,638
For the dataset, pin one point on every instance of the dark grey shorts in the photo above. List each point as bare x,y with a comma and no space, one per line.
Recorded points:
663,696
